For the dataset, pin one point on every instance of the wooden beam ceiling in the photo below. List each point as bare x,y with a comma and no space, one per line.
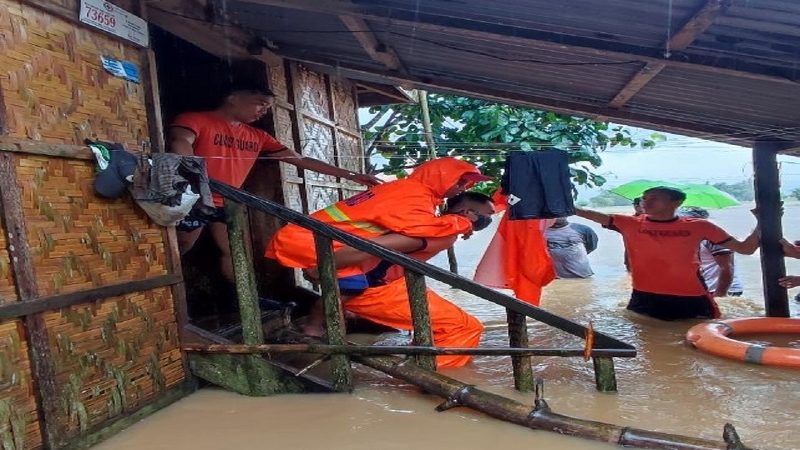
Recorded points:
599,112
690,31
370,43
501,34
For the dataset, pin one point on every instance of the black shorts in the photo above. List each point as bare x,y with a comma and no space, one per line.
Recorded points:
673,307
198,219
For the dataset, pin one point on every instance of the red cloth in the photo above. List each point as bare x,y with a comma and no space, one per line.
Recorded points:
230,149
517,257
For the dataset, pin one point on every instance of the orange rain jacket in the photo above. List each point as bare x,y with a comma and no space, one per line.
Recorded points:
517,257
406,206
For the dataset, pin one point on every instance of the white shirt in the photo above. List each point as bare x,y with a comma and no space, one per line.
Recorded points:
710,269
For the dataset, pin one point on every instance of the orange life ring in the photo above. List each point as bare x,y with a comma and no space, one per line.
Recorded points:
713,337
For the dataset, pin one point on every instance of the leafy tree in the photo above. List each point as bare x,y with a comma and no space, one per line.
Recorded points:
742,191
482,132
795,193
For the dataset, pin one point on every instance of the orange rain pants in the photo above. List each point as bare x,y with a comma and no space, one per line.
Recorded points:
451,326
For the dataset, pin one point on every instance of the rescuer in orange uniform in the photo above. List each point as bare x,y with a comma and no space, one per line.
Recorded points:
386,301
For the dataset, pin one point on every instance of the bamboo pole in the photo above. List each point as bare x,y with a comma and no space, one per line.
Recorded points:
334,317
244,278
380,350
541,417
518,338
428,130
420,316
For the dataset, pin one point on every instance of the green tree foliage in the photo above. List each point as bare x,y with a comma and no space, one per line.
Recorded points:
795,193
742,191
482,132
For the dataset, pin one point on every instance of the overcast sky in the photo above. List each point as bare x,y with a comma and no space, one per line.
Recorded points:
685,159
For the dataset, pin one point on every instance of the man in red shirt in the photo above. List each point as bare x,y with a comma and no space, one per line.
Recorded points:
231,147
663,254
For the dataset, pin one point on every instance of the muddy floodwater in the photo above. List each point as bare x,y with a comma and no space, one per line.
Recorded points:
669,387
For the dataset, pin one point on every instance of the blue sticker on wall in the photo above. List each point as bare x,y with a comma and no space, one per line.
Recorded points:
121,69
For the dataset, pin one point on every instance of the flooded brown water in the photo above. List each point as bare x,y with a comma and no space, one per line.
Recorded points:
669,387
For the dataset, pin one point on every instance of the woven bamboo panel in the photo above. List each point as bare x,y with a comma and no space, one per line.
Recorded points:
113,356
343,92
77,240
53,84
19,420
351,156
276,74
318,144
313,94
8,293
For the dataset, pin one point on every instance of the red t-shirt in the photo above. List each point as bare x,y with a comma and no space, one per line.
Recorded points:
230,149
663,256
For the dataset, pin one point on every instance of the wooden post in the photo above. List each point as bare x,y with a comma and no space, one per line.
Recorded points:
47,394
768,202
245,279
334,318
420,316
605,377
518,337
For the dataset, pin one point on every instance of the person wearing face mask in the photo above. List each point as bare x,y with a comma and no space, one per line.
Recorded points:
231,147
385,300
406,207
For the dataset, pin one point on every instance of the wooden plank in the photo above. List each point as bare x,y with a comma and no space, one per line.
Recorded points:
376,50
334,315
203,343
501,34
681,40
385,90
47,394
605,377
16,145
518,338
245,279
636,83
697,25
770,214
197,334
225,42
152,97
38,305
420,316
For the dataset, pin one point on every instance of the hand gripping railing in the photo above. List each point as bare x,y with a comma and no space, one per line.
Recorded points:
601,347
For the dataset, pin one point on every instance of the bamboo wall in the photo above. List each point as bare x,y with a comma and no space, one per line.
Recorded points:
115,348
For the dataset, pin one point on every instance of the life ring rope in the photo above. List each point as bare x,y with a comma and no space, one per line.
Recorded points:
715,338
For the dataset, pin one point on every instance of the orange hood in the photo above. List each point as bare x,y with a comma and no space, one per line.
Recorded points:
439,175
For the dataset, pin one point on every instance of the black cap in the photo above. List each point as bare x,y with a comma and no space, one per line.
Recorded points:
113,181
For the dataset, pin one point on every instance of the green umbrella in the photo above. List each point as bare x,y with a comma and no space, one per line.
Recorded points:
634,189
700,195
707,196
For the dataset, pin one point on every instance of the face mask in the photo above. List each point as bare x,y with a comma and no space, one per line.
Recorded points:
481,223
